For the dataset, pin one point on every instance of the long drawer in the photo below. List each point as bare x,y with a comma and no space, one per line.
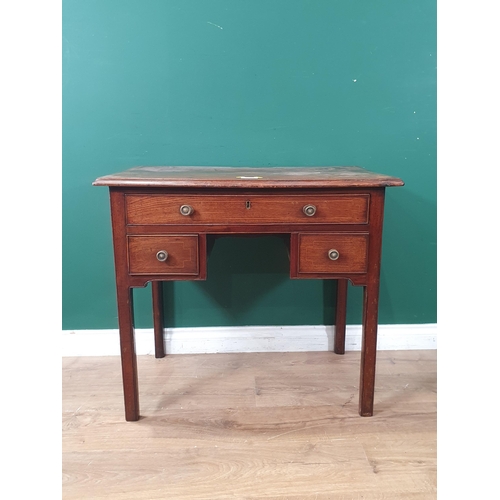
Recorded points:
251,209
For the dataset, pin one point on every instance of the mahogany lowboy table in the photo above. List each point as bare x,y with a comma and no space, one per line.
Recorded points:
165,220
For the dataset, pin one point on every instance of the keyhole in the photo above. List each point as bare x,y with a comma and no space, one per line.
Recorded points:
247,204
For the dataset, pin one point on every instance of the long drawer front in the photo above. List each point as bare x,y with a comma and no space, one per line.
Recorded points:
251,209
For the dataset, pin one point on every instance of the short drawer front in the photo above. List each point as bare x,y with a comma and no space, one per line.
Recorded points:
226,209
164,255
349,252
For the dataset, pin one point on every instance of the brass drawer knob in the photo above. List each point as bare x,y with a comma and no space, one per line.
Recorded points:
333,254
186,210
162,255
309,210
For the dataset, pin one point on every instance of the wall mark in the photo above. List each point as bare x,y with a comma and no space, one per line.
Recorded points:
216,25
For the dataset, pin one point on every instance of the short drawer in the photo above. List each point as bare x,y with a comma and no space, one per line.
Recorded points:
332,253
164,255
247,209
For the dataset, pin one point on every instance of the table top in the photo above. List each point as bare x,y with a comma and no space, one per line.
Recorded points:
247,177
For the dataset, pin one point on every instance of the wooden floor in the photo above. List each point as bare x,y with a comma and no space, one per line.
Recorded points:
271,426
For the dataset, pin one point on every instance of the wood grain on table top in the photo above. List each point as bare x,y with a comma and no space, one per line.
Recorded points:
249,177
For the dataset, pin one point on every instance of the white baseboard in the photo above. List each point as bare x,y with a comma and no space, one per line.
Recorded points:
248,339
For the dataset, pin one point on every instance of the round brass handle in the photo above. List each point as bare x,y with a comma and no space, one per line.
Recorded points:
186,210
309,210
162,255
333,254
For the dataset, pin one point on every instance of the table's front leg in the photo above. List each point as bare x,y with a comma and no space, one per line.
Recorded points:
127,348
370,306
368,349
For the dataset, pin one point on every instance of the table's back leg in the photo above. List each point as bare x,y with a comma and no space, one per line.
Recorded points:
340,317
128,356
157,288
368,349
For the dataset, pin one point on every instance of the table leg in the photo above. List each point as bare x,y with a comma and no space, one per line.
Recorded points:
340,317
157,287
368,349
128,356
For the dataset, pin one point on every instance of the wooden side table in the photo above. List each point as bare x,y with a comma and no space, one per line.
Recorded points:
164,220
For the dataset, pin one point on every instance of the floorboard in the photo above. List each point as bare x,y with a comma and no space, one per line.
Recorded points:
250,426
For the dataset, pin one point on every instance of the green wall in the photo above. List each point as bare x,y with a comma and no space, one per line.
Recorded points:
249,83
